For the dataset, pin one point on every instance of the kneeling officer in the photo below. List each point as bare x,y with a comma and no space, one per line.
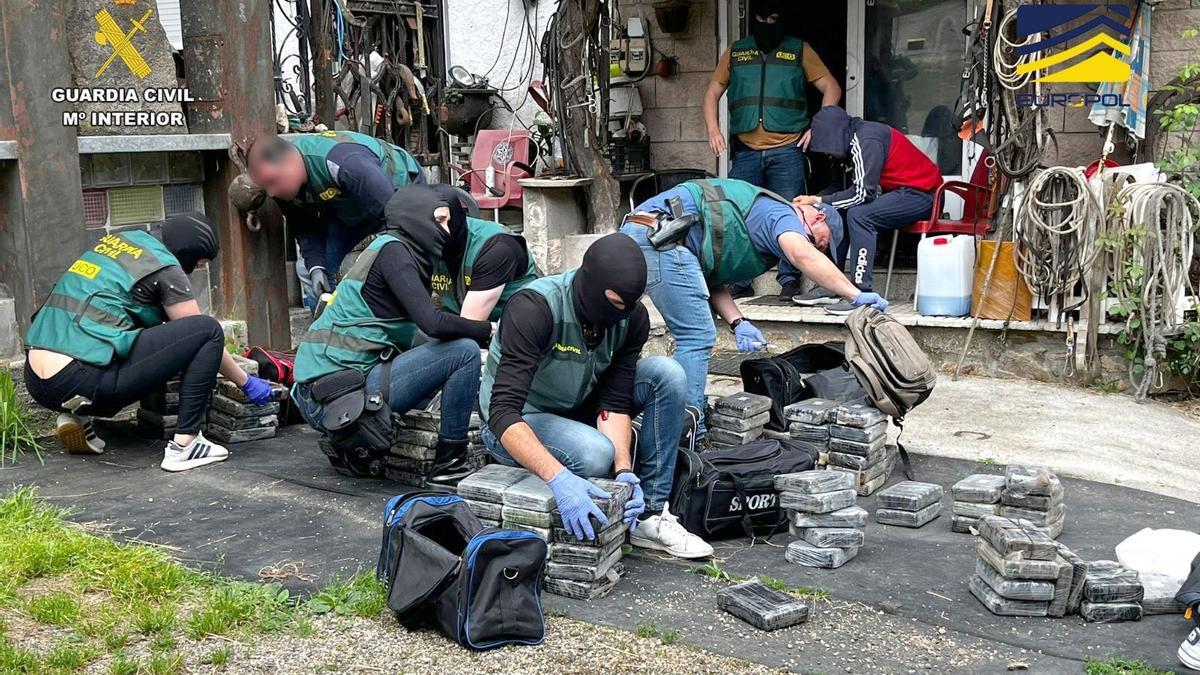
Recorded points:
362,346
564,379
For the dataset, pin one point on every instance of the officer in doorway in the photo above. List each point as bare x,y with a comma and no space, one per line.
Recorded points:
332,186
765,75
563,381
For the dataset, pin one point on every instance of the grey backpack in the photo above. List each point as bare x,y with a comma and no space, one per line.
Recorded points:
890,366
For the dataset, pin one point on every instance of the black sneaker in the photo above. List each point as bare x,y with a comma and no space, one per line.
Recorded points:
742,290
817,296
451,463
840,308
790,290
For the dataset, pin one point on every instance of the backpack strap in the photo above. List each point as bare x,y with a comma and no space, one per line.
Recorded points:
904,459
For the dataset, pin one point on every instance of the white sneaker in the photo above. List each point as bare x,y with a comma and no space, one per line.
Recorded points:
1189,651
664,533
77,436
199,452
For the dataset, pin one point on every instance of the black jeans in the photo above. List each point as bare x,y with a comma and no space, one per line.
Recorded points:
191,347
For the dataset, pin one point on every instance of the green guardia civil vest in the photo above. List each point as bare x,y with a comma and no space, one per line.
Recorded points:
347,334
569,371
91,314
727,254
767,88
321,190
452,288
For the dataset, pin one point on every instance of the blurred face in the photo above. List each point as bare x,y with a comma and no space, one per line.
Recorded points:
614,299
281,176
769,19
814,218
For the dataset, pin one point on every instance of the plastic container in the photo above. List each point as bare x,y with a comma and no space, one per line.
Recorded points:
945,275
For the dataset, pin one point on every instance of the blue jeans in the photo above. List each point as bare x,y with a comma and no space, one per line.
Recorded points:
658,394
416,375
780,170
676,286
889,211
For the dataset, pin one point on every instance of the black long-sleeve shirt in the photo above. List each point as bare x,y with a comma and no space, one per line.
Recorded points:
394,290
526,335
359,176
502,259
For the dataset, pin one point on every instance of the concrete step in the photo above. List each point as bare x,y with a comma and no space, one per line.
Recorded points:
10,330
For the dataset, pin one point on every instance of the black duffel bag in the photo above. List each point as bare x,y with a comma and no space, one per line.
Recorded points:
808,371
730,492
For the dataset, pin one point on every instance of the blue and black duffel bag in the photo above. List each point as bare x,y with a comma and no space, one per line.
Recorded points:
480,586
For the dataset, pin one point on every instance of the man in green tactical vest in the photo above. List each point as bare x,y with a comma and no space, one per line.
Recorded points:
727,231
765,75
563,380
475,265
332,186
120,323
369,326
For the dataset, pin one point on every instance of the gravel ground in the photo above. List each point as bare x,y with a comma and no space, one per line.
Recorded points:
381,646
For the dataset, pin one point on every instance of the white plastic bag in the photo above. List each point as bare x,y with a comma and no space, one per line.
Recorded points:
1168,552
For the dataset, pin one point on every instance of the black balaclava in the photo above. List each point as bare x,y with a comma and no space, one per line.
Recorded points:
409,215
613,262
191,237
767,36
456,245
831,132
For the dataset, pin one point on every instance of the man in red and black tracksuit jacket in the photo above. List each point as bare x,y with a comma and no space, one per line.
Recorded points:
887,184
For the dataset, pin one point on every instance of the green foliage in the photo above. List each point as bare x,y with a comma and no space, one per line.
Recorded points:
165,664
646,630
70,656
1120,666
16,434
362,596
220,657
669,636
122,665
238,604
713,571
13,659
55,609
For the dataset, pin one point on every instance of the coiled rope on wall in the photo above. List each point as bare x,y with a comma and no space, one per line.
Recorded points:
1056,233
1155,231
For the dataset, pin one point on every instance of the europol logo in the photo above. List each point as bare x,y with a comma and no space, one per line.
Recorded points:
1096,50
111,34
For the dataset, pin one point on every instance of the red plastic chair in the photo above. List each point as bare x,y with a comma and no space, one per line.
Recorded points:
507,153
976,196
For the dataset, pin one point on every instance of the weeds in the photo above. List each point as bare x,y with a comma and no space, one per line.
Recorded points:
1121,666
646,630
152,620
55,609
122,665
70,656
669,636
16,435
362,596
220,657
713,571
238,604
165,664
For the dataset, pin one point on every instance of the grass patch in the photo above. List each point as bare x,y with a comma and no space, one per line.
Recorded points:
152,620
16,434
70,656
122,665
165,664
220,657
802,591
1121,666
646,630
669,636
714,571
238,604
362,595
55,609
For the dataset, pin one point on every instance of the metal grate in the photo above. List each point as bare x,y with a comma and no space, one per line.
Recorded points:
95,208
183,199
139,204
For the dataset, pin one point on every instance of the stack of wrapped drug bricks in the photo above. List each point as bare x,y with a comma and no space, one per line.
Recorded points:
738,419
234,419
809,420
1035,494
412,455
975,496
1021,571
909,504
1111,593
822,511
513,498
158,413
858,445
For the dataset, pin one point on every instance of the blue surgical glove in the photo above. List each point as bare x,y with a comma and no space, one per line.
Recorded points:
257,390
574,497
637,501
749,338
873,299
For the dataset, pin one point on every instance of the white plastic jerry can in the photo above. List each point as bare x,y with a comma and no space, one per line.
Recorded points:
945,273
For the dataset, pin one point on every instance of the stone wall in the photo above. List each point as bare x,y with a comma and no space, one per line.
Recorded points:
672,106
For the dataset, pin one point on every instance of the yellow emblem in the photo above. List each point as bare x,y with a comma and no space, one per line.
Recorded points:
111,34
558,346
330,193
85,269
